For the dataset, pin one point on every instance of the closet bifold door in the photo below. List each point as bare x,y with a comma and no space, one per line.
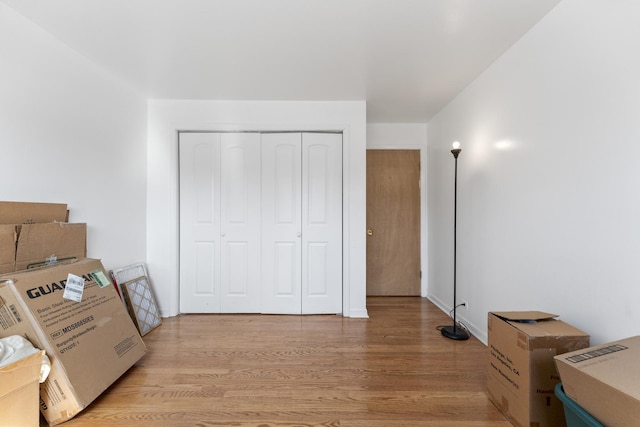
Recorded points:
321,223
199,222
281,223
301,223
240,250
219,222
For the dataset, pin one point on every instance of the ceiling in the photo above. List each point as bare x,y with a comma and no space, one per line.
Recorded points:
406,58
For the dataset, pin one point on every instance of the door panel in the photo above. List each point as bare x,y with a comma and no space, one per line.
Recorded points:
281,223
302,223
238,282
322,223
286,283
205,270
219,223
393,222
199,223
240,223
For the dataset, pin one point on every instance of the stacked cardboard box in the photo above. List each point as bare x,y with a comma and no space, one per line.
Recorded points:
87,334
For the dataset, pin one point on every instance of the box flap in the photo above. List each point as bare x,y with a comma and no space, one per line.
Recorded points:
524,316
29,213
17,375
8,236
38,242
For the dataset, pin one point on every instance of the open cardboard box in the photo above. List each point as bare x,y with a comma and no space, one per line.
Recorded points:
521,373
90,343
19,390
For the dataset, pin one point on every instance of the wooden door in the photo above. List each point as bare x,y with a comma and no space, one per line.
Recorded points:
393,222
219,223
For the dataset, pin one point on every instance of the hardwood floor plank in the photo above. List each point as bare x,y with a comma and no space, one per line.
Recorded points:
393,369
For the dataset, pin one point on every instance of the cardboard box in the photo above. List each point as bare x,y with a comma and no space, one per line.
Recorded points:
91,343
19,387
29,213
24,246
8,238
603,380
32,234
521,372
39,244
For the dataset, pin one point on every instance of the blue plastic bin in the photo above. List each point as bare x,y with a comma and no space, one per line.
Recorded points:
573,413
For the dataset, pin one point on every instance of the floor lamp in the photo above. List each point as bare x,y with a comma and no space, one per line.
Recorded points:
454,332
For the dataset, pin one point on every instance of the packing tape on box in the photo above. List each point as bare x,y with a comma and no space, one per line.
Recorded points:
14,348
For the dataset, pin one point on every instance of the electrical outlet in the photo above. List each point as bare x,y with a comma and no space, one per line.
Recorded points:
465,303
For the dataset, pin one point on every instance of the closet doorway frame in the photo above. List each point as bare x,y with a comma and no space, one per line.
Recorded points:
168,116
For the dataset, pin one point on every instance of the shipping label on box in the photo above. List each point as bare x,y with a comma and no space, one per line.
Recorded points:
521,373
604,380
91,343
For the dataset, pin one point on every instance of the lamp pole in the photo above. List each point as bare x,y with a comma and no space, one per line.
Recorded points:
454,332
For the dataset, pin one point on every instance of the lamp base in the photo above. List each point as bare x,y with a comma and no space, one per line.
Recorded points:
454,333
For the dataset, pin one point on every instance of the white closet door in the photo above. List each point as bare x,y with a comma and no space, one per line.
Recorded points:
219,223
281,224
199,222
240,223
322,223
302,223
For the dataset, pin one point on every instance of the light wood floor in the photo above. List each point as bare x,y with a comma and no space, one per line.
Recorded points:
393,369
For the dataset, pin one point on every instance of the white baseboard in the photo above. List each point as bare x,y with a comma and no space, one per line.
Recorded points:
460,317
358,314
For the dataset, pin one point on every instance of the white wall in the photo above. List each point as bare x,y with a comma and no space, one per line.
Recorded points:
548,208
167,117
71,134
407,136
